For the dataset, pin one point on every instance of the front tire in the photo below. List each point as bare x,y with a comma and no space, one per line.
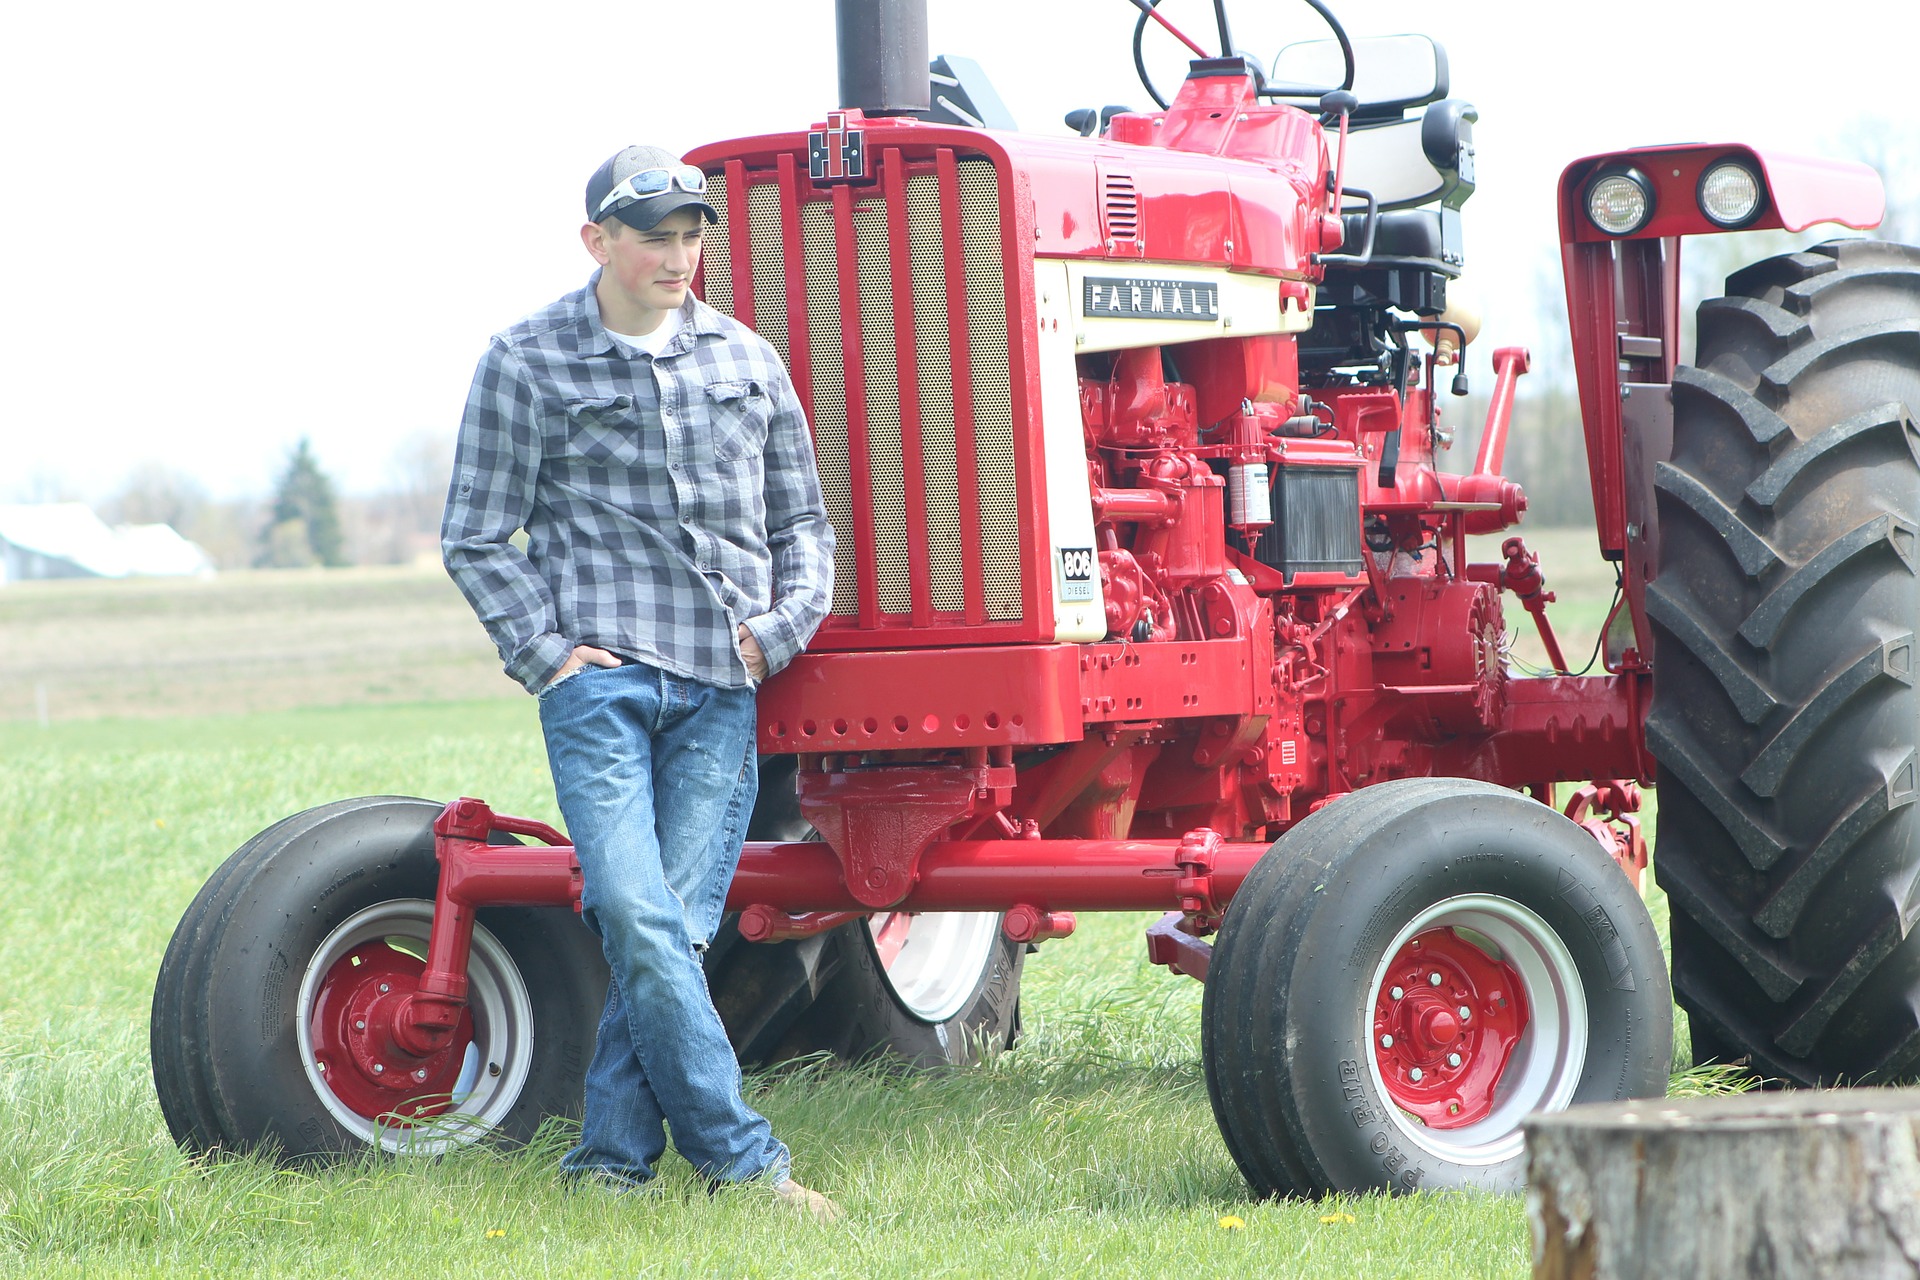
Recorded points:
1784,606
1409,973
927,990
295,942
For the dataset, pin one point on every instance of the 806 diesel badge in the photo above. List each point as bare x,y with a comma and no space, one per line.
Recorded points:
1077,571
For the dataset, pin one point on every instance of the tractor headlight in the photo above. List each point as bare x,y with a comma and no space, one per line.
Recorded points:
1730,194
1619,202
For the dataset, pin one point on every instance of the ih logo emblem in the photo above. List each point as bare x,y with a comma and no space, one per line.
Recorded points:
836,151
1077,570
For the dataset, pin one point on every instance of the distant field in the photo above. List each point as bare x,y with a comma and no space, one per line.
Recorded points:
280,640
242,642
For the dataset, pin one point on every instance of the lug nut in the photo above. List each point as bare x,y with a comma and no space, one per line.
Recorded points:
1396,993
378,1069
1453,1059
1415,1074
384,988
359,1024
493,1068
1465,1013
1433,980
1386,1042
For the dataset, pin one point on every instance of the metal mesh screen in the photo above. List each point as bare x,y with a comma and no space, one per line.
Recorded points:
716,263
883,404
933,352
992,387
769,282
829,411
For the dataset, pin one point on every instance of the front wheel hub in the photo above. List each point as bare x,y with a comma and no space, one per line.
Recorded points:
352,1026
1447,1019
353,1000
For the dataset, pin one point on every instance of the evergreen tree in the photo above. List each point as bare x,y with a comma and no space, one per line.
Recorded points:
304,528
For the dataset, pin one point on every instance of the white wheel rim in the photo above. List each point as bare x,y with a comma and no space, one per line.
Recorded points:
942,962
1547,1063
502,1030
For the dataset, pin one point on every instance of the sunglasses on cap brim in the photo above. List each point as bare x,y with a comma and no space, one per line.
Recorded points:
647,183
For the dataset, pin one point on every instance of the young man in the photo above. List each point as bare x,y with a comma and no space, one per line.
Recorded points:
677,553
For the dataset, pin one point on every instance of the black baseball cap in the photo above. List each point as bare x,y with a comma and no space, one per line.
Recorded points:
685,188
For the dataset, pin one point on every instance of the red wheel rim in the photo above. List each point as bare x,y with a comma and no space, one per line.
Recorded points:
1446,1019
351,1028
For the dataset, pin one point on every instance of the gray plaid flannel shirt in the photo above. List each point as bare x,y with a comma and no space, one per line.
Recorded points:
665,500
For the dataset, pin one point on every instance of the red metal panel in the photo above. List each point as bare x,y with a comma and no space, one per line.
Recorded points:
985,695
904,699
1802,190
740,242
1558,729
1591,317
959,343
1023,370
906,381
1810,189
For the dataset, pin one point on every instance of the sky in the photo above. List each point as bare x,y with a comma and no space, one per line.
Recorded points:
226,226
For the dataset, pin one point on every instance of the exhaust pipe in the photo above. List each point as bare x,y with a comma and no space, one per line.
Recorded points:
883,56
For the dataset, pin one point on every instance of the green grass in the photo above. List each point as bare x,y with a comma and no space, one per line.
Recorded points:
1091,1148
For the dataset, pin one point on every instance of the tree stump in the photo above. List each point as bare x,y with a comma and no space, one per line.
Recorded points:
1762,1186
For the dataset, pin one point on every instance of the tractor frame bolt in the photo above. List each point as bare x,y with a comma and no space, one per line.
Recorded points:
1396,993
421,1074
1453,1059
1433,979
1415,1074
378,1069
359,1024
1386,1042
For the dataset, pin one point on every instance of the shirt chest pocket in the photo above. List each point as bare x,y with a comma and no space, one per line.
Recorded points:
603,429
737,414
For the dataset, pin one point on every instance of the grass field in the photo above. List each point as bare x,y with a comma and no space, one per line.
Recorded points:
1090,1149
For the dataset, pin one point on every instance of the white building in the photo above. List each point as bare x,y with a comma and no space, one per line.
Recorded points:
67,540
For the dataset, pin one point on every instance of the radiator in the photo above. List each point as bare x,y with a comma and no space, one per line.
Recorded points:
888,303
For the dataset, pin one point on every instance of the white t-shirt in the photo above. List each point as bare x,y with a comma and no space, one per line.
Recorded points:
652,343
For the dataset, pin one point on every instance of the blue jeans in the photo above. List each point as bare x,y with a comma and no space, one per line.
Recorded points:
656,777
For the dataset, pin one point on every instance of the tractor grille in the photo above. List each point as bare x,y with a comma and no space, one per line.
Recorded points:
888,304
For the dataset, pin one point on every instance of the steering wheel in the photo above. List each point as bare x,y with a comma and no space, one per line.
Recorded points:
1147,7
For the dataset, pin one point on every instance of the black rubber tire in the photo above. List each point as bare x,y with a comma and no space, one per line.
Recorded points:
1286,1018
830,993
226,1059
1784,606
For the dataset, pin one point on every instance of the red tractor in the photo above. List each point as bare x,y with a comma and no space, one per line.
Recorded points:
1151,596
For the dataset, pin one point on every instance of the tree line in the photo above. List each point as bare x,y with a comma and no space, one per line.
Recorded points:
306,521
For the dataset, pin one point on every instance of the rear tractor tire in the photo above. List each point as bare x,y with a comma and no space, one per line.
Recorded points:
1410,972
928,990
1784,714
260,1013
